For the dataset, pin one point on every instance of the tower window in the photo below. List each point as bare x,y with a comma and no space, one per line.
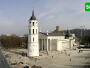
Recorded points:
33,23
33,39
33,31
29,31
36,31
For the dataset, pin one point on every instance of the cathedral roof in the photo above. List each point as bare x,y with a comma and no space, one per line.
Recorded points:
57,33
54,34
33,17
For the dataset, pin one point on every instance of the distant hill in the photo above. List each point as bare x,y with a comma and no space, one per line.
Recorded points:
77,32
80,32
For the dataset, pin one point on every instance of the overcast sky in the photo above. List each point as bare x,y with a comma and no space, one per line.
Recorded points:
14,15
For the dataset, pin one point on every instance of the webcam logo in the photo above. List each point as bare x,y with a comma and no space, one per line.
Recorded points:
87,6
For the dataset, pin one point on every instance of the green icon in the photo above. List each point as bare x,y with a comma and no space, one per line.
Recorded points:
87,6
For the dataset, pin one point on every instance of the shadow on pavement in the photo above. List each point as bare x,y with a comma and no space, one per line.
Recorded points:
79,66
15,52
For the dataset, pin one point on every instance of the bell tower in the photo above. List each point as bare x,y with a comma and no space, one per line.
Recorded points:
33,43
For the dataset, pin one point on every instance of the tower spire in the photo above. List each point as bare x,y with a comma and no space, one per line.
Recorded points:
33,17
33,12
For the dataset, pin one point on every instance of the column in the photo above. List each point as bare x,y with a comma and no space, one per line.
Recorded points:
70,44
50,45
47,44
42,44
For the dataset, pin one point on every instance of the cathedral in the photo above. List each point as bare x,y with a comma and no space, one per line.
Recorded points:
56,40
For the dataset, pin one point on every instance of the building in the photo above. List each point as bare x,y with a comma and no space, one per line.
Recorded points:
56,41
53,41
33,42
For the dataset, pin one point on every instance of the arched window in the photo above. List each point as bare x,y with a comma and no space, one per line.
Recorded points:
33,23
33,31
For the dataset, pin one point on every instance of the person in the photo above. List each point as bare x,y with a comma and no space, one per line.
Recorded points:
52,56
65,52
70,59
47,52
68,54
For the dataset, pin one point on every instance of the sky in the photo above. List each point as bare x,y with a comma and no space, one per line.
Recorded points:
14,15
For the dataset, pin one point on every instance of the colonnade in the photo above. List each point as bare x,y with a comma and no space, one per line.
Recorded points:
45,44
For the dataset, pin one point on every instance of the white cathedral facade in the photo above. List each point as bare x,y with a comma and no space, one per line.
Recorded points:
53,41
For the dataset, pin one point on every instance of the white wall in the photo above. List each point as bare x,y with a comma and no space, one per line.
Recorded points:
33,40
58,42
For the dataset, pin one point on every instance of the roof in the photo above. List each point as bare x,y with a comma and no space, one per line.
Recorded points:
57,33
54,33
41,33
33,17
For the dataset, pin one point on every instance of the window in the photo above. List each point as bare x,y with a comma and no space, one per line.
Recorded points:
33,31
29,31
33,39
33,23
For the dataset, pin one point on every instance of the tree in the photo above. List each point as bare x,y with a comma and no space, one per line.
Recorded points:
13,41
